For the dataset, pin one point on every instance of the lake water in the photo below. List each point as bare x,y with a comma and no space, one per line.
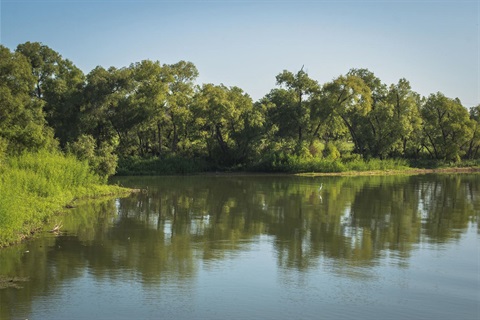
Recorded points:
257,247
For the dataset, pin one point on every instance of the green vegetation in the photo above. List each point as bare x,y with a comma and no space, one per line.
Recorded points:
152,118
63,133
36,186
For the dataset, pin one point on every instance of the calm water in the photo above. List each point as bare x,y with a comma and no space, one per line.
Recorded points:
258,247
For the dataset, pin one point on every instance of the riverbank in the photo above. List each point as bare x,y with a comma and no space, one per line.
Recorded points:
37,186
412,171
290,165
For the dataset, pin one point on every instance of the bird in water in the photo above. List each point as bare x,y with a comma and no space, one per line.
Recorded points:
320,189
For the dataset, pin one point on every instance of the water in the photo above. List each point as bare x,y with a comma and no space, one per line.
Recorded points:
257,247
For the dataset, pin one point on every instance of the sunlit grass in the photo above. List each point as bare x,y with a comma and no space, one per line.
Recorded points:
35,186
295,164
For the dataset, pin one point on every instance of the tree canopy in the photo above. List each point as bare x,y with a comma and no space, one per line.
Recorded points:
149,109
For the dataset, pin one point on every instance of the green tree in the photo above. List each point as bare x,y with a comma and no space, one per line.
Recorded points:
220,115
44,62
278,103
299,88
59,86
349,99
150,96
105,92
446,126
22,123
474,144
374,131
64,99
181,77
406,121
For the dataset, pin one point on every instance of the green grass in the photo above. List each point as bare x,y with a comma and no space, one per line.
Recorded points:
36,186
281,163
438,164
295,164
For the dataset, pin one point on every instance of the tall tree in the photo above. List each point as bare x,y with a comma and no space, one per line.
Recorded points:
44,62
406,122
349,99
446,126
104,91
299,87
64,99
375,130
473,151
150,95
22,122
181,77
219,112
59,85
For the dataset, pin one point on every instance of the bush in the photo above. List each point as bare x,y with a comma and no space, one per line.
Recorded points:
161,166
103,160
34,186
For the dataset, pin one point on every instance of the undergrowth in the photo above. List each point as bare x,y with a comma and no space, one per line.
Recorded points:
35,186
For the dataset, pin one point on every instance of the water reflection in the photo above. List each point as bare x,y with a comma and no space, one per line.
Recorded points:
178,226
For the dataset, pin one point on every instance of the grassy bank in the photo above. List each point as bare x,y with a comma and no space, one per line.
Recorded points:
36,186
283,164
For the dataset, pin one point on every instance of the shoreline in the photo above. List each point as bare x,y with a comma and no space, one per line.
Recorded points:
410,171
109,191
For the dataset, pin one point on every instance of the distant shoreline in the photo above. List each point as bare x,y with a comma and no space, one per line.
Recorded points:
412,171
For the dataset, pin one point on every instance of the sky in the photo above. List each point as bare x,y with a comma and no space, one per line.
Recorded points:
433,44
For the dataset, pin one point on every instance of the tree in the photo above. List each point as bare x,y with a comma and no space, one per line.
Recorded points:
406,121
299,88
64,99
446,126
349,99
150,90
220,114
181,77
58,86
474,144
44,62
104,91
374,130
22,123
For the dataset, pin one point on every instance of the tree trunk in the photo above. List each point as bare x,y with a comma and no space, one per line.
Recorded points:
175,138
352,134
220,140
160,137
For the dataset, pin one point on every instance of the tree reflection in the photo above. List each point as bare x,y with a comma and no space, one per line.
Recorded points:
165,232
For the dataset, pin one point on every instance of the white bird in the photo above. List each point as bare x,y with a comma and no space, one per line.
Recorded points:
319,189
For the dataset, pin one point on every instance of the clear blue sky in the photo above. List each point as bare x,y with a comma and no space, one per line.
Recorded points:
433,44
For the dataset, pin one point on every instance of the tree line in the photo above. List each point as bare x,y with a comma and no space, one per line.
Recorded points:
153,110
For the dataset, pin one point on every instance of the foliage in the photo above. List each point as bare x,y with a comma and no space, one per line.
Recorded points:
22,122
101,159
35,186
447,127
156,119
160,166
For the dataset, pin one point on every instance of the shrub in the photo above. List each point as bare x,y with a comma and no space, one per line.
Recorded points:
34,186
102,159
161,166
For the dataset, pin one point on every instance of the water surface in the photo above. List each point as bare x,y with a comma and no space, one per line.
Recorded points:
251,247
